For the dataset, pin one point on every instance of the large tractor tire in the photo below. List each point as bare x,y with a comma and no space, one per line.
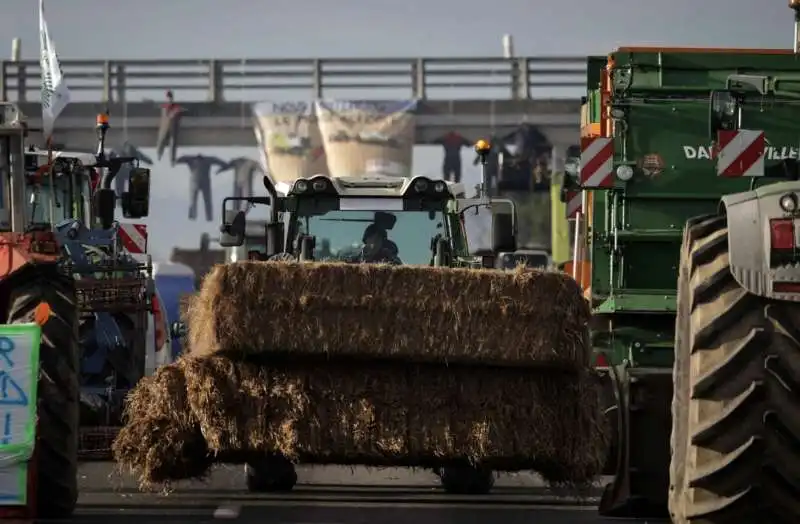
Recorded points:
56,456
736,413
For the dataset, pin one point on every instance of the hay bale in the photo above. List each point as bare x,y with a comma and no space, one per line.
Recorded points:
425,314
415,416
161,440
184,306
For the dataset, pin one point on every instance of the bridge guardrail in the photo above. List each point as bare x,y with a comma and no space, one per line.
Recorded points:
248,79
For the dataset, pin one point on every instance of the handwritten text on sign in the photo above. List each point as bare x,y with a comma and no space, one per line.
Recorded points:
15,387
19,370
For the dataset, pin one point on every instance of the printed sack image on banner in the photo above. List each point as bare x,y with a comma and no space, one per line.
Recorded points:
19,373
367,137
289,140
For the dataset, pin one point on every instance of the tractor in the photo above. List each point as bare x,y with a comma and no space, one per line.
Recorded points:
374,219
114,290
687,246
39,203
33,276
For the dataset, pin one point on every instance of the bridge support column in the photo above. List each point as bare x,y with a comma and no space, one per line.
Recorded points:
216,85
107,82
520,79
119,82
316,78
418,78
22,84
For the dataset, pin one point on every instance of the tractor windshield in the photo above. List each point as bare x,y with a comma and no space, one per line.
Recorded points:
398,235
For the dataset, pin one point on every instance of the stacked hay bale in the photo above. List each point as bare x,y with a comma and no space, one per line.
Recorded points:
376,365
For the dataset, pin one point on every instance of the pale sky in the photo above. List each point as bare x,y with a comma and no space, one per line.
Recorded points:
203,29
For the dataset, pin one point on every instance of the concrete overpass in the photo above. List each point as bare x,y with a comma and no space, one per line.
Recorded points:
474,96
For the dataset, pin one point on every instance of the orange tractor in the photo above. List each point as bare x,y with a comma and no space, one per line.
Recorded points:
37,285
32,279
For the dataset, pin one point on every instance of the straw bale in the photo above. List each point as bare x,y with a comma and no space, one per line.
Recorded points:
379,415
424,314
161,439
185,305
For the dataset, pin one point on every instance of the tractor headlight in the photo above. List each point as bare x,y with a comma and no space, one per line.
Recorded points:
301,186
624,172
788,202
421,185
425,188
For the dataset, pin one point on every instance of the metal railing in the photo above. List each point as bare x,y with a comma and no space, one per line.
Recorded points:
249,79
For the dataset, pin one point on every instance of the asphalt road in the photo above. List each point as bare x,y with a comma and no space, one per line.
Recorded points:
330,495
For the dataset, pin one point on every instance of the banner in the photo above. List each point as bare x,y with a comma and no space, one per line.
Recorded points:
367,137
289,140
19,373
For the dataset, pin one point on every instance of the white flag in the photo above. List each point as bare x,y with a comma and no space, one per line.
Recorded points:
55,95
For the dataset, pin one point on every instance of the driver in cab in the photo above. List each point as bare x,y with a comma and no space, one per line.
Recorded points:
377,246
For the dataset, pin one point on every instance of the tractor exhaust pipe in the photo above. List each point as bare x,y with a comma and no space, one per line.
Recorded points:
794,5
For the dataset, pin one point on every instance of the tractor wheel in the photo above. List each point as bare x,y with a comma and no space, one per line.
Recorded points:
736,429
272,475
56,455
680,370
466,480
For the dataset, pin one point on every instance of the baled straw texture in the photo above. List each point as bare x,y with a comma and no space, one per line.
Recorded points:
424,314
416,416
185,305
165,442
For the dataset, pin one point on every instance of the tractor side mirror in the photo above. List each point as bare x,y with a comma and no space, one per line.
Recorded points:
504,237
477,220
233,229
490,228
724,110
136,201
105,200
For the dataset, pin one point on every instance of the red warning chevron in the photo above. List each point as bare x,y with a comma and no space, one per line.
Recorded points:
597,162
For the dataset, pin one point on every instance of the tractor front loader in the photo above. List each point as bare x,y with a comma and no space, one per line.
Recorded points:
430,220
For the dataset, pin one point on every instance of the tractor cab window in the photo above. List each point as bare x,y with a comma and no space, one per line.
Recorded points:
350,235
67,197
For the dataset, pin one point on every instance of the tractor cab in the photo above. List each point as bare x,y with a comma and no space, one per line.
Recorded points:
60,188
363,219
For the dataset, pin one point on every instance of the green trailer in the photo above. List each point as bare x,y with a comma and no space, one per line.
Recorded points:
696,229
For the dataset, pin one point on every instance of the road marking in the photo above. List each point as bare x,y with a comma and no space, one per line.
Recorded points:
227,511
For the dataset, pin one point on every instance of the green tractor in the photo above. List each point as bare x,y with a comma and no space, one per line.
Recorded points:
690,163
371,219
